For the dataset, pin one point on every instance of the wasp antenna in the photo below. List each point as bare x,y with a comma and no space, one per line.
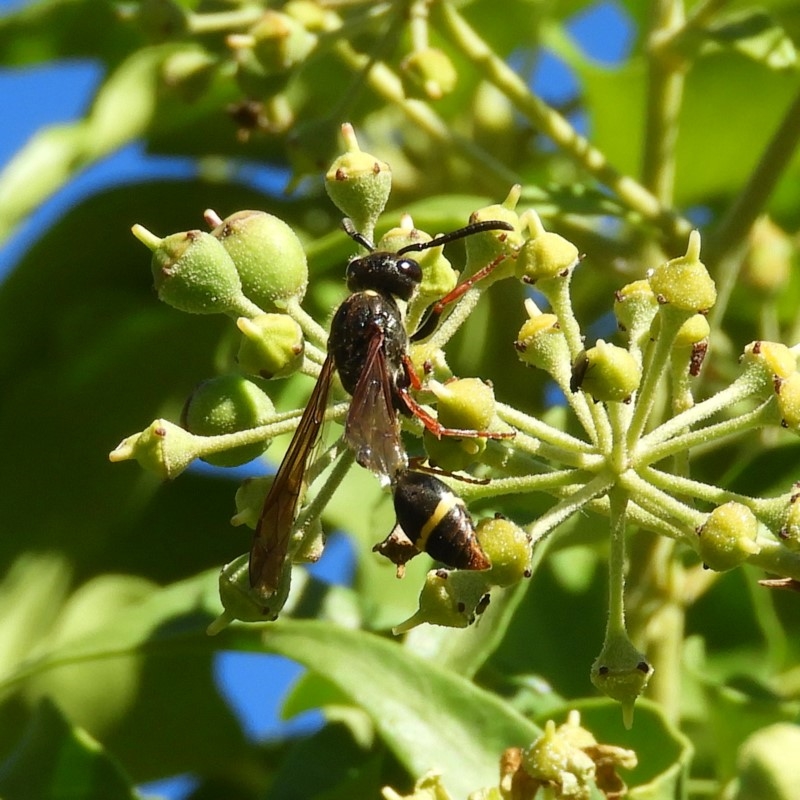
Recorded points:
461,233
350,230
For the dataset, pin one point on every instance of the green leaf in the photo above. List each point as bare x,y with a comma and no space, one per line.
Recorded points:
58,761
754,34
431,718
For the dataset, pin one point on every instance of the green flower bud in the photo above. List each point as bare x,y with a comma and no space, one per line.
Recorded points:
554,760
788,390
272,345
684,282
606,372
249,501
267,255
428,787
163,448
190,72
768,264
429,72
483,248
466,404
193,272
240,602
508,548
621,672
544,255
695,329
540,343
163,20
312,15
767,764
450,598
280,42
228,404
635,306
728,537
771,360
789,533
358,184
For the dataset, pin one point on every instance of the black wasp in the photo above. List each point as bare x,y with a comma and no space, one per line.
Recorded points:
368,346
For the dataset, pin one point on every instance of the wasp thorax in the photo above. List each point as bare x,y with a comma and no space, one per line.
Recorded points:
386,272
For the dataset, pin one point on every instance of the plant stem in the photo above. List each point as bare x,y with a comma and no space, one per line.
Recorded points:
730,240
664,99
547,120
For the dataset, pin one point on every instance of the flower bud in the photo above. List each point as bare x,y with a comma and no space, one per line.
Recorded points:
448,598
240,602
267,255
621,672
272,345
770,360
280,42
483,248
467,404
428,72
544,255
358,184
789,533
193,272
684,282
635,306
767,764
540,343
163,448
788,390
606,372
508,547
163,20
249,500
228,404
555,761
728,537
767,267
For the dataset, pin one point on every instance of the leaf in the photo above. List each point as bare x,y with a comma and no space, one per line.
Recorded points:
754,34
431,718
58,761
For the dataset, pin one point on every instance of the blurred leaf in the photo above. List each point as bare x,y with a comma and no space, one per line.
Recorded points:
52,29
57,761
755,35
429,717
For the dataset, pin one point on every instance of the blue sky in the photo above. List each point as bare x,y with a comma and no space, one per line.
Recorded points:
44,95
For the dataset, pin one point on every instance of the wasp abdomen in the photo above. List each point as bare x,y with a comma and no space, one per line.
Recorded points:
437,521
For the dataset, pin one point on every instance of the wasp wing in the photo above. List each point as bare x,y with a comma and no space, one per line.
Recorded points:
274,529
372,429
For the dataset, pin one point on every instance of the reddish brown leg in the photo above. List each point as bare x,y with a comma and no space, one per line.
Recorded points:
438,430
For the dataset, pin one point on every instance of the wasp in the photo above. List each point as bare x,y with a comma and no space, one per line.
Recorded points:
368,348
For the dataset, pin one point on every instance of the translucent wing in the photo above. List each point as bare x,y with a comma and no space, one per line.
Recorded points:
274,529
372,429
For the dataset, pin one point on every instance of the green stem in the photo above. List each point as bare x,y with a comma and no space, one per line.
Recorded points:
729,244
664,100
310,327
656,360
564,509
541,430
523,484
685,441
488,170
652,499
552,124
618,498
744,386
220,21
